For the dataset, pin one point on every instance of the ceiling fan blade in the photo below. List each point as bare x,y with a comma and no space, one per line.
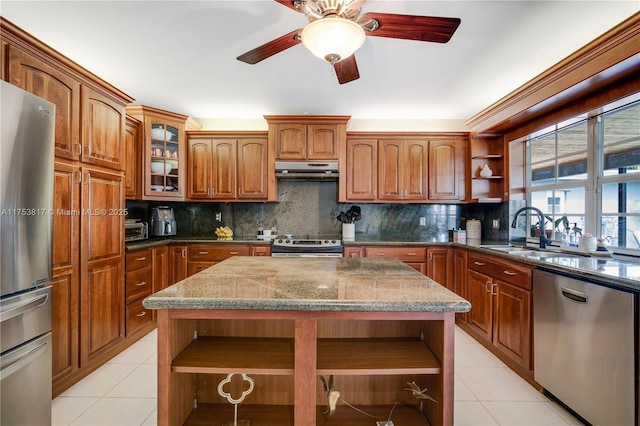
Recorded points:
290,4
411,27
347,70
271,48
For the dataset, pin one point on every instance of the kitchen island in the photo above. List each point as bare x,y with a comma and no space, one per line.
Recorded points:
367,326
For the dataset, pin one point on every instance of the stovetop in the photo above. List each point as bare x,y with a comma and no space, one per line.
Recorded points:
306,242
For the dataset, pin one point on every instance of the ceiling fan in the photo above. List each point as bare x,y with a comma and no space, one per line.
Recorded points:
336,30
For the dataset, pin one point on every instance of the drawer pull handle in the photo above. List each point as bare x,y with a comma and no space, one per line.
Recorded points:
479,263
141,314
141,283
140,259
411,254
492,287
509,273
203,252
233,252
380,254
487,287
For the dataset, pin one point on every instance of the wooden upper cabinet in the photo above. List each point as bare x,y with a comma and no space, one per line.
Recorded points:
300,138
224,169
132,159
252,168
228,166
164,152
50,83
446,170
103,124
361,180
402,170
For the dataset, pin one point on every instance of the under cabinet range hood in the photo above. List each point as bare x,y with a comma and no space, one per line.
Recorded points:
307,170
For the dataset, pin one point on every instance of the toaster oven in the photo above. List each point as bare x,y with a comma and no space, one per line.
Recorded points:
136,231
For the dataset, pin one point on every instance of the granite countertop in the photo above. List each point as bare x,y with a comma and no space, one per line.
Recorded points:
159,241
309,284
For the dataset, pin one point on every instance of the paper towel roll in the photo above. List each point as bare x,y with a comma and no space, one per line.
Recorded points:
474,227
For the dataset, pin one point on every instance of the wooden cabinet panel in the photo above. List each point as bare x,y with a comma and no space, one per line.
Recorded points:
160,266
446,170
252,169
103,218
132,159
57,87
224,169
439,266
291,141
412,256
227,167
480,317
177,264
512,322
362,170
137,316
65,322
66,266
200,170
102,308
459,274
353,252
260,251
103,124
402,170
138,284
322,141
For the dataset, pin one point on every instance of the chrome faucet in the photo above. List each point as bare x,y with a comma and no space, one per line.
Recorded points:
543,239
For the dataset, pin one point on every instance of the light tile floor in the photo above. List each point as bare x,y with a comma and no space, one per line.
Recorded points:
123,392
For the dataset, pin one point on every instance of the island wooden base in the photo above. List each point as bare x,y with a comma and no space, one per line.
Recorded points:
372,356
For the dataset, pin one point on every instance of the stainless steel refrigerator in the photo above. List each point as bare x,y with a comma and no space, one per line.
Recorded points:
26,195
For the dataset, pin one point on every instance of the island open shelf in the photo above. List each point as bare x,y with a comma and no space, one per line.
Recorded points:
398,332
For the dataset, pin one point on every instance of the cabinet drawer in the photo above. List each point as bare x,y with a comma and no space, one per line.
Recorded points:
516,274
138,284
214,253
138,259
136,316
410,254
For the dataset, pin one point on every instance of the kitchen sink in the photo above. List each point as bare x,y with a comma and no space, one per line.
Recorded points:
529,252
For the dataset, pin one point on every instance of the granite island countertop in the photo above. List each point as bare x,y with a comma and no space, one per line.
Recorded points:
309,284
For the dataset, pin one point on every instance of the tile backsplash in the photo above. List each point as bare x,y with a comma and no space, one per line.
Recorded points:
310,209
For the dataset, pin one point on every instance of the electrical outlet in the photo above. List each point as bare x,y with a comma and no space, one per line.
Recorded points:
496,223
423,221
219,217
385,423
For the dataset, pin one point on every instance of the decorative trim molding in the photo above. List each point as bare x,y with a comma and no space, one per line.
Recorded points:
610,58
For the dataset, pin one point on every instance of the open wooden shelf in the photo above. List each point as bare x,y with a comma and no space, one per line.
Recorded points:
487,156
361,356
269,415
375,357
236,354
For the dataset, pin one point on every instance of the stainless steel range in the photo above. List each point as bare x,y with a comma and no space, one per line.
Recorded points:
306,247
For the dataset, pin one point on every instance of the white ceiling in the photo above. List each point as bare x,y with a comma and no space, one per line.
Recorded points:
181,55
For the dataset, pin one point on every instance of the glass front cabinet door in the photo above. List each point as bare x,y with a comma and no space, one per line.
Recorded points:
165,151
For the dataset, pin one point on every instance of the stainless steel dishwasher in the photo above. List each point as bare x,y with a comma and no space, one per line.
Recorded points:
584,347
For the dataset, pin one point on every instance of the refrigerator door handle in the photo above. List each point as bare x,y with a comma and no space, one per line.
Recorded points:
23,361
27,306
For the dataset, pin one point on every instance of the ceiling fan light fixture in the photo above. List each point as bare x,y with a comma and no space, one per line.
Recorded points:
333,39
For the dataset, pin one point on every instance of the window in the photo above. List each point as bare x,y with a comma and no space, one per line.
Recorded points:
584,174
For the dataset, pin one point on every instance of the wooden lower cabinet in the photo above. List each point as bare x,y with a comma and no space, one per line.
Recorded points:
139,279
287,353
412,256
177,263
459,277
501,306
439,266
